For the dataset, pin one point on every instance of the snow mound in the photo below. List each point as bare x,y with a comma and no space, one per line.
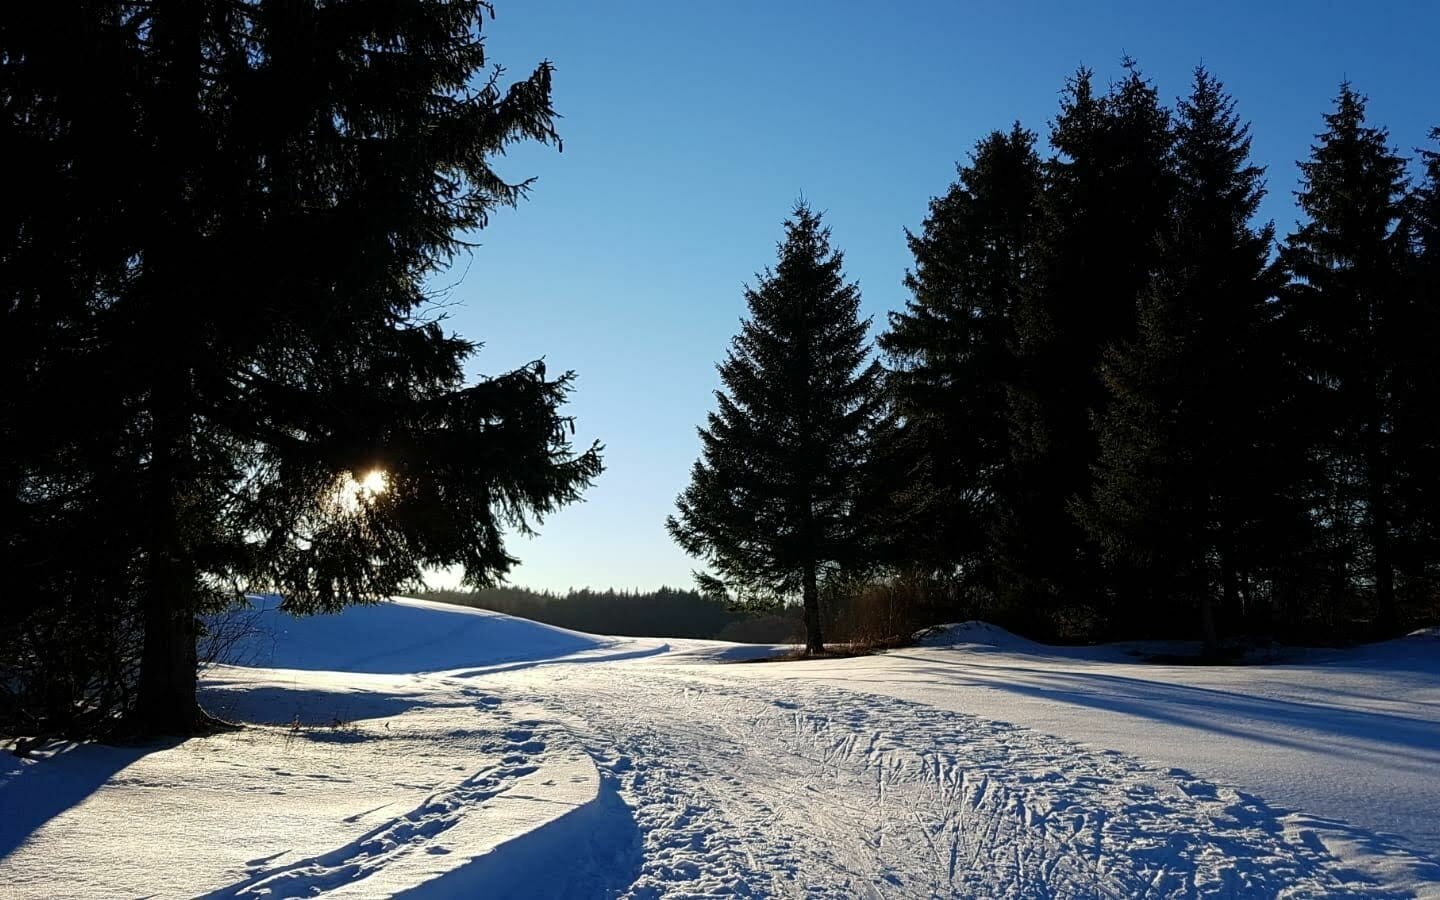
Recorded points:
975,635
401,635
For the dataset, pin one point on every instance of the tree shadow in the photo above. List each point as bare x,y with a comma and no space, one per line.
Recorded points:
276,704
590,657
35,790
1208,708
600,845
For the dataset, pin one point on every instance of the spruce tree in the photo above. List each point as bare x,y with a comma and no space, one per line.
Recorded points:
1348,305
69,86
1187,483
1417,427
951,349
777,500
1107,197
285,413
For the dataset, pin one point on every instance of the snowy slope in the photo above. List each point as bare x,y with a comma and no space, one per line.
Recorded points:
420,750
404,635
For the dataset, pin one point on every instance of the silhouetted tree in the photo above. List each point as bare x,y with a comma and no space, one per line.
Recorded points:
1417,426
68,106
1107,198
952,352
243,302
1189,481
1349,306
774,501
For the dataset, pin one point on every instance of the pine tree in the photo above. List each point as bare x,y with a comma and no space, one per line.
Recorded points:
299,171
1348,304
68,631
1187,482
952,353
1417,427
775,502
1107,197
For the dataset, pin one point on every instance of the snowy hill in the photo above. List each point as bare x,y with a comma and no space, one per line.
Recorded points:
421,750
403,635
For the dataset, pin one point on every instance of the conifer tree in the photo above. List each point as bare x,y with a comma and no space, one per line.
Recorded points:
1188,483
248,303
951,348
67,109
1107,197
1417,427
777,500
1349,306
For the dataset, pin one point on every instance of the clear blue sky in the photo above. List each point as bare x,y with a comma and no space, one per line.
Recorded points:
691,128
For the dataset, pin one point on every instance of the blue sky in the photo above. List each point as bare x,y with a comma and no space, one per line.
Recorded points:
690,129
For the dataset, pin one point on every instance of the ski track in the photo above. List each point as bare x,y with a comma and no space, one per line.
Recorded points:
714,782
742,789
518,744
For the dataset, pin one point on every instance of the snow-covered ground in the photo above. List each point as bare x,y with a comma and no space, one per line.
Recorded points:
421,750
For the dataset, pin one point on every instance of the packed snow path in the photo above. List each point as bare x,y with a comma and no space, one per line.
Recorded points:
752,788
424,751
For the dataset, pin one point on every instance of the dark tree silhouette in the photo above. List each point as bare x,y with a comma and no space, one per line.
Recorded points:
1349,306
777,499
1107,197
1189,481
1417,426
951,348
68,635
1192,438
239,291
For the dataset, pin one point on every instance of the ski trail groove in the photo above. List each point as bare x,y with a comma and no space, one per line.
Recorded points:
519,748
742,787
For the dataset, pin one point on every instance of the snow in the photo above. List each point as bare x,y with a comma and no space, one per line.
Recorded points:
1352,736
402,636
420,750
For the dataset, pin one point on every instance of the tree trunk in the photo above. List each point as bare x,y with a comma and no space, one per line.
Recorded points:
1230,586
1386,618
814,640
1229,582
1202,581
1208,631
166,701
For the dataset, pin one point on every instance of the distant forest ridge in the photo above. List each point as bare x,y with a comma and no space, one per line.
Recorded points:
667,612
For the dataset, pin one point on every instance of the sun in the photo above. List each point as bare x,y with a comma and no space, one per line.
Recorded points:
374,482
351,493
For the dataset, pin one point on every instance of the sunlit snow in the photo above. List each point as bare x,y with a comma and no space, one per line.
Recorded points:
419,750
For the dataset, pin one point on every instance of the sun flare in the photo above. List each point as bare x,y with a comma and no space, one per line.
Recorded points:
352,493
374,482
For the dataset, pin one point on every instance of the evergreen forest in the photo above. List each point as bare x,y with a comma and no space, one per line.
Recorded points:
1115,405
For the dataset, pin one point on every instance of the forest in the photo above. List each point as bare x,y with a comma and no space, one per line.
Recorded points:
665,612
1115,405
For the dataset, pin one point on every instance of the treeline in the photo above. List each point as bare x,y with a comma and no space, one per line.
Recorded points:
1114,404
667,612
